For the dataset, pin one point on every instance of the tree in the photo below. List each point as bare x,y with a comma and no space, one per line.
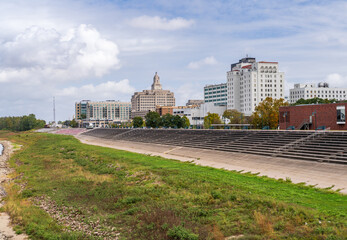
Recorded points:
313,101
247,119
186,123
153,120
22,123
233,115
211,118
126,124
28,122
177,121
168,120
267,113
174,121
73,123
137,122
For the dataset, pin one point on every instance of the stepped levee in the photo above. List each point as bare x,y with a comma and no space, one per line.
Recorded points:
329,147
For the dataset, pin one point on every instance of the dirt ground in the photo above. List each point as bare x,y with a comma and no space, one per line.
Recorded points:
6,231
321,175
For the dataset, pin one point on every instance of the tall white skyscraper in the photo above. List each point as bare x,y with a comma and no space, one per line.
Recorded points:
250,82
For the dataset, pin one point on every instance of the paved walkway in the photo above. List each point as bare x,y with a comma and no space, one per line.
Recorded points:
312,173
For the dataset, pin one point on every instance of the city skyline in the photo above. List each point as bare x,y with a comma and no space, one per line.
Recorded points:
103,50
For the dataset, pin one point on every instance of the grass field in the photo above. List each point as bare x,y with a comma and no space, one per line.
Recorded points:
94,193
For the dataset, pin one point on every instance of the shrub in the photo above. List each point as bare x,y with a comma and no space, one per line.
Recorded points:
181,233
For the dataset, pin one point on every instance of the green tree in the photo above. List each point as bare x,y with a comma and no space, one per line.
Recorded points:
233,115
137,122
28,122
186,122
177,121
168,120
73,123
314,101
22,123
267,113
153,120
126,124
211,118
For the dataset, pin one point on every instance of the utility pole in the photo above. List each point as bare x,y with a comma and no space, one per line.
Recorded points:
54,112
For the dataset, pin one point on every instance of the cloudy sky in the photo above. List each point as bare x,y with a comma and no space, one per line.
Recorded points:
99,49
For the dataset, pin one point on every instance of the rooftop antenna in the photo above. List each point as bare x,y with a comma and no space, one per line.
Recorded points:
246,55
54,111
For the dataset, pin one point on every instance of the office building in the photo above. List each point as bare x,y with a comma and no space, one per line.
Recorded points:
103,113
194,102
162,110
311,90
250,82
148,100
216,93
81,109
196,114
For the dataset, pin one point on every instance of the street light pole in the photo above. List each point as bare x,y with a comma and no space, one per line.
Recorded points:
285,120
315,119
241,121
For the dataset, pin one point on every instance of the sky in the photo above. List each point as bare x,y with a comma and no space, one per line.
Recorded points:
108,49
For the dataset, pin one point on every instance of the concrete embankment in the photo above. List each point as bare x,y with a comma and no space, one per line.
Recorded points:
321,175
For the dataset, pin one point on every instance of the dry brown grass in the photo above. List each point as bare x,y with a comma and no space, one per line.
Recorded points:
14,204
264,223
72,169
156,222
215,233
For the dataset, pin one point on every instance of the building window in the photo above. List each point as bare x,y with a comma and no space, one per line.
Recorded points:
341,117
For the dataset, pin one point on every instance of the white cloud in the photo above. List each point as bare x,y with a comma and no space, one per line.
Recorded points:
40,54
206,61
336,80
140,46
158,23
108,90
188,91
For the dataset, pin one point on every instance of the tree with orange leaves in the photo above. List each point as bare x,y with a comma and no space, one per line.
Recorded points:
267,113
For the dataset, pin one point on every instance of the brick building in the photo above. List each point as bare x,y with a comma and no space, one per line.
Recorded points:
313,116
162,110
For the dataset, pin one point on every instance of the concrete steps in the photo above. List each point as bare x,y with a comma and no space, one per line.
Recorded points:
312,146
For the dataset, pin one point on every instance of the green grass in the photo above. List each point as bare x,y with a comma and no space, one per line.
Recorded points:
146,197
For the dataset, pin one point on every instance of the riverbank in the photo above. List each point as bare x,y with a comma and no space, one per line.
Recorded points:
70,190
1,149
6,231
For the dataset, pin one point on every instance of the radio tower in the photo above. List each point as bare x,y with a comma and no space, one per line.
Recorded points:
54,112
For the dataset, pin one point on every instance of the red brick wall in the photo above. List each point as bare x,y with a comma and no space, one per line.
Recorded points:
325,116
164,110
